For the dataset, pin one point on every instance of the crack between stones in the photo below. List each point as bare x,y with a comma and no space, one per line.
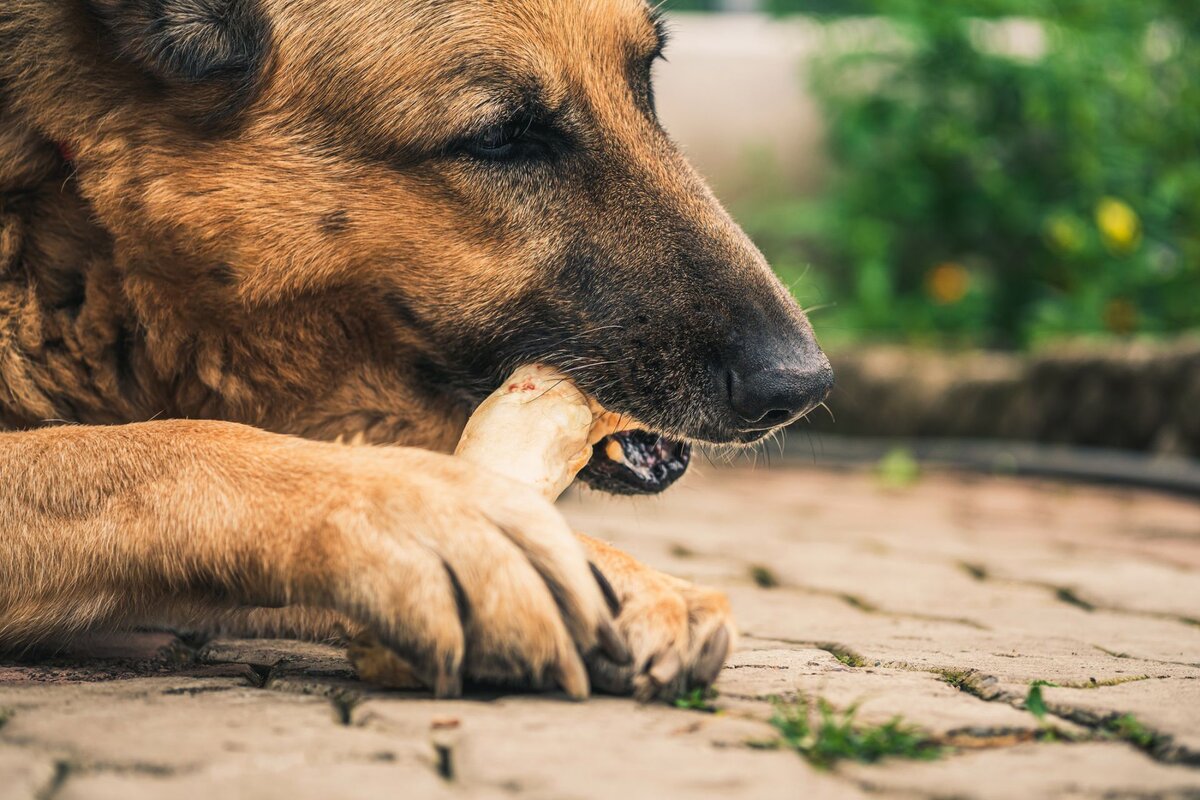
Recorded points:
1115,654
68,767
66,760
62,771
344,700
765,579
1070,596
274,678
1065,594
985,687
865,606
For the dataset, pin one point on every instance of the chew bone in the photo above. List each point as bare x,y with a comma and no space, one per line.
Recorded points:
537,428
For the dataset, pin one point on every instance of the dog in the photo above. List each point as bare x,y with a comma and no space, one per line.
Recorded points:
236,234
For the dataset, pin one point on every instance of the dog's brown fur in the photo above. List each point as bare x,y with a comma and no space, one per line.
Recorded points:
260,212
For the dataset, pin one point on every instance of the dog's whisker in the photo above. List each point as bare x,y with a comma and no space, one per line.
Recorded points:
596,365
822,307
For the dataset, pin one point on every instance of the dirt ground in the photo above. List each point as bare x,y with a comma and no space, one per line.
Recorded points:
940,602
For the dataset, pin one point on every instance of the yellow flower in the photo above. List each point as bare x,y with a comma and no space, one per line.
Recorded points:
947,283
1119,225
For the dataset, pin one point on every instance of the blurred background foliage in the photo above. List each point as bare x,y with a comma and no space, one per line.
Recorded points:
985,196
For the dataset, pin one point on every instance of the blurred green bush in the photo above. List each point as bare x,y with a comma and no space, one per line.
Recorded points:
982,196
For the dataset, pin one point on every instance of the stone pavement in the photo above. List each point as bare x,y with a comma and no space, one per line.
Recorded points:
941,602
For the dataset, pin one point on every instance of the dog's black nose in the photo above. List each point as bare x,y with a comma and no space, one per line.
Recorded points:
779,393
773,368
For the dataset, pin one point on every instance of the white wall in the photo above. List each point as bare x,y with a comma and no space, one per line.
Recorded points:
733,87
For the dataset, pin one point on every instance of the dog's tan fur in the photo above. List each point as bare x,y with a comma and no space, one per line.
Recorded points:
287,252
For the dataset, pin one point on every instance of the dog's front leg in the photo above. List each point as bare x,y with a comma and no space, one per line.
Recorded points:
452,568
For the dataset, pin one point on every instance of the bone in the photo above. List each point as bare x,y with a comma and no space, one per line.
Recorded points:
538,428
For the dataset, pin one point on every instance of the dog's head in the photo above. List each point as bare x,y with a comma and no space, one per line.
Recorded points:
489,175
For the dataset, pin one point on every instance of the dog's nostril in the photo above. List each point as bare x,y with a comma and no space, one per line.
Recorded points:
768,398
776,416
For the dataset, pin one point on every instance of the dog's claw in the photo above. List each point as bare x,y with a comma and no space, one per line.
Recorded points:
442,675
613,646
448,685
573,679
610,595
712,658
660,679
665,668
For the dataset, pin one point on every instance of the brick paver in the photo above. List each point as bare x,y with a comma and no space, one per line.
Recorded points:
939,603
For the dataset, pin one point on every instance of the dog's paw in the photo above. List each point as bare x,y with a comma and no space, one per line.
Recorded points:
460,574
679,634
376,664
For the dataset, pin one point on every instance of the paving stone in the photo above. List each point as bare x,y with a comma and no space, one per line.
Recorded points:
169,725
272,781
943,591
1033,772
880,694
988,584
884,561
932,645
1168,706
25,774
116,656
613,749
279,655
1107,580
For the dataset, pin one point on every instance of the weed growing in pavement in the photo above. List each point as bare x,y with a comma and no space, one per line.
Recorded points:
1125,727
763,578
959,679
1128,728
825,736
1034,702
844,655
898,469
698,700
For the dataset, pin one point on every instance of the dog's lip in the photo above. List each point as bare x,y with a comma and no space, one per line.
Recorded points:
636,461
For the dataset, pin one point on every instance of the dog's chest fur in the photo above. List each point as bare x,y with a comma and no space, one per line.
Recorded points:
63,332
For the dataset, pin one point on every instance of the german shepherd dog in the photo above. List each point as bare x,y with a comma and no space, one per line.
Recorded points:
235,232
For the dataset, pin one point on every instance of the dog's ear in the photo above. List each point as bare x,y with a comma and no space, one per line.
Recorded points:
191,45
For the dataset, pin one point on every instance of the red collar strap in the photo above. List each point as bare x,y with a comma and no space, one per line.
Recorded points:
66,151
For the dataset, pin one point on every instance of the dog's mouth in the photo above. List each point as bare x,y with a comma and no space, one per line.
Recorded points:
636,462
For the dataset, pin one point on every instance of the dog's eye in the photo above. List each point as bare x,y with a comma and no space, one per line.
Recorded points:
501,141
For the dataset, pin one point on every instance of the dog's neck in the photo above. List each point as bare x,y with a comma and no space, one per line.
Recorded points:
97,329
